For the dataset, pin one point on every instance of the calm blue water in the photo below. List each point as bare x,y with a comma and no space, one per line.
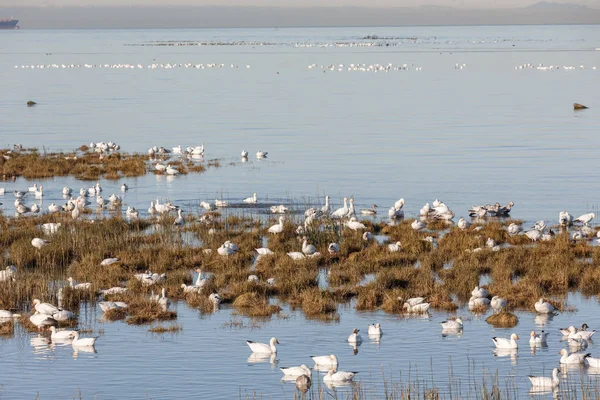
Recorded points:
487,132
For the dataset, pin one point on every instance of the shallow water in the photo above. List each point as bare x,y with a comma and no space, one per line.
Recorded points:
481,134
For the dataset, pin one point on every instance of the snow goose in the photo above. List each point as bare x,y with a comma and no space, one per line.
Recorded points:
326,208
251,200
79,286
583,334
355,225
63,315
417,225
83,342
399,204
424,211
394,213
277,228
367,236
339,376
355,336
44,308
264,251
477,302
503,343
534,235
132,213
463,224
124,187
538,338
280,209
369,211
33,188
296,371
19,194
42,320
308,249
576,344
164,301
179,219
539,225
50,228
109,261
66,191
419,308
111,305
394,247
479,292
514,229
593,362
342,211
544,307
8,273
585,218
53,208
565,219
61,335
572,358
498,303
4,314
329,361
263,347
261,154
333,248
375,329
244,154
544,381
452,324
171,171
221,203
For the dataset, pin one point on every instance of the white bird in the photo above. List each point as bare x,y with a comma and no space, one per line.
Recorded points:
375,330
330,361
514,229
44,308
538,338
79,286
61,335
308,249
342,211
32,188
539,225
221,203
424,211
369,211
583,334
394,213
476,302
585,218
565,219
413,301
296,371
420,308
42,320
38,243
172,171
463,224
355,336
264,251
498,303
367,236
111,305
545,382
164,301
280,209
109,261
50,228
8,273
503,343
544,307
572,358
339,376
534,235
417,225
124,187
250,200
66,191
277,228
83,342
452,324
263,347
179,219
244,154
355,225
333,248
479,292
261,154
593,362
399,204
393,247
296,255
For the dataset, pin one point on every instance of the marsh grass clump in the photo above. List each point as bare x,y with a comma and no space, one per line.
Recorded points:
174,328
317,303
254,305
115,314
201,302
143,310
503,319
7,328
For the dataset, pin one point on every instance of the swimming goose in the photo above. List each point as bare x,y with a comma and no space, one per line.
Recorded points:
63,315
124,187
280,209
419,308
578,343
113,198
339,376
172,171
261,154
572,358
111,305
83,342
583,334
369,211
498,303
277,228
333,248
244,154
514,229
296,371
342,211
262,347
326,361
463,224
585,218
355,225
307,249
418,225
34,208
61,335
250,200
221,203
479,292
355,336
78,286
567,331
538,338
66,191
503,343
375,330
545,382
38,243
544,307
32,188
452,324
565,219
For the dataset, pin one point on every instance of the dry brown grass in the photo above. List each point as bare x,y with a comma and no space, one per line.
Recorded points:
7,328
174,328
503,319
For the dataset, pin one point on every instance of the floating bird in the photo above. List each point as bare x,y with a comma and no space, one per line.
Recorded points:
339,376
538,338
369,211
251,200
61,335
330,361
261,154
544,307
262,347
545,382
502,343
355,336
452,324
375,330
572,358
296,371
244,154
83,342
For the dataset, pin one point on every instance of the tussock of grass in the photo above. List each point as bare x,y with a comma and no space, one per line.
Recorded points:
316,302
7,328
503,319
115,314
166,329
254,305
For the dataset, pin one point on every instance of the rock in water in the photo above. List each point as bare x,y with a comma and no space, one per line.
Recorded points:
31,103
577,106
